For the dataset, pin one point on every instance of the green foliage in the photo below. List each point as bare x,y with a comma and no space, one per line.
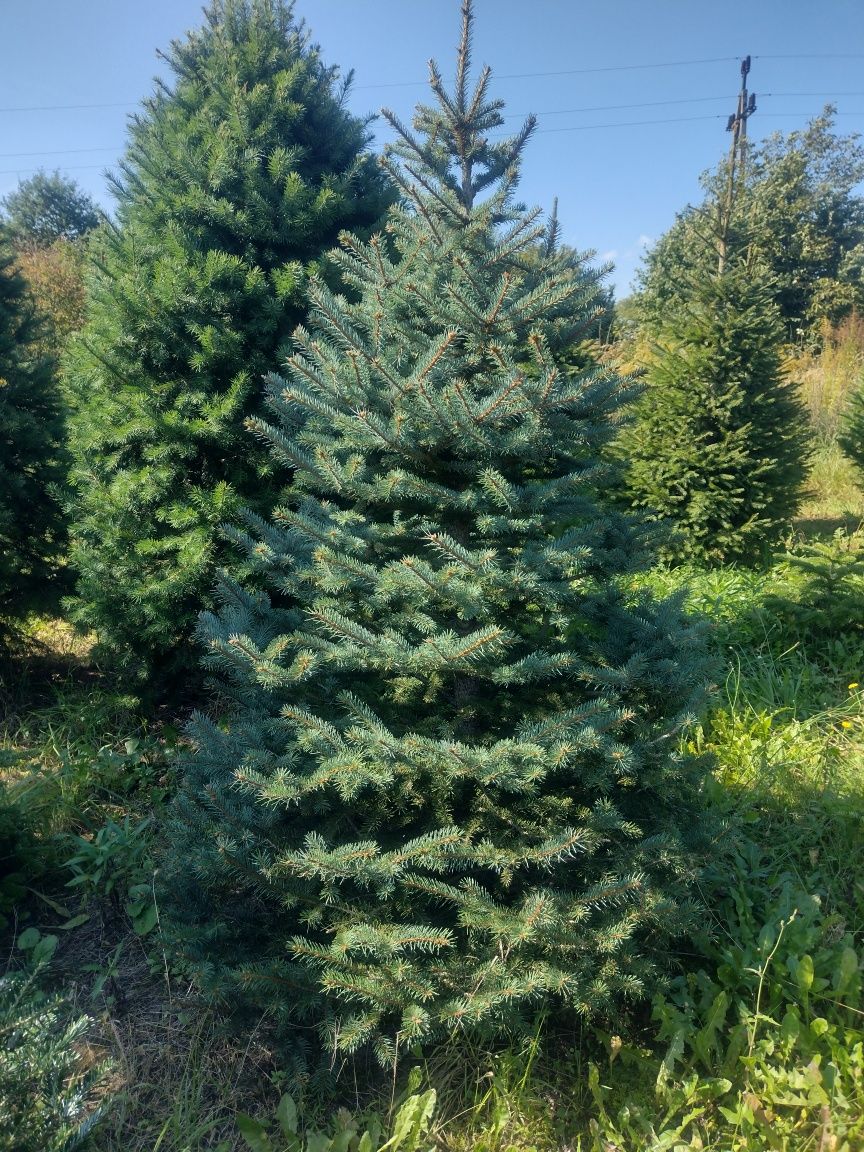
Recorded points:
47,1087
85,755
21,858
787,736
238,175
445,787
45,208
31,432
801,214
851,436
720,443
408,1131
114,863
767,1048
830,598
760,1045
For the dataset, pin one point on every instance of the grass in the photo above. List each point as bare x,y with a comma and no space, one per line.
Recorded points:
759,1043
835,499
826,375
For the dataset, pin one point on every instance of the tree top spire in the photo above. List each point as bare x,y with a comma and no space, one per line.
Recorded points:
449,155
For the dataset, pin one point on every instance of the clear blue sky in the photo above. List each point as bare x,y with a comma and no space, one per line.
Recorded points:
618,187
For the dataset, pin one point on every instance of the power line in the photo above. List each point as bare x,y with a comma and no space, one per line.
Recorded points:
549,112
66,168
659,103
672,120
764,94
65,107
510,76
815,56
631,123
506,115
669,120
540,131
420,83
618,68
565,72
61,151
612,107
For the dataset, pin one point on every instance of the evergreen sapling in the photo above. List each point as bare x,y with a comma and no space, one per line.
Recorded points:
720,447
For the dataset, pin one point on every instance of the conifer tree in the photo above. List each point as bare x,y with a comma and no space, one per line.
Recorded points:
851,437
720,445
239,173
444,787
31,436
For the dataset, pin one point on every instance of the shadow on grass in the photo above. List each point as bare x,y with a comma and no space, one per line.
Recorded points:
825,527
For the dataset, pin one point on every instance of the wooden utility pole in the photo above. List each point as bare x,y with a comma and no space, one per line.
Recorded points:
737,125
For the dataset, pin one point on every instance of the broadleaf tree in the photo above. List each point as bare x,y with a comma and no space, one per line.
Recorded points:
444,785
48,220
45,208
798,208
240,172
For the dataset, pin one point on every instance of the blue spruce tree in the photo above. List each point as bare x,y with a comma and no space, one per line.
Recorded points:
444,784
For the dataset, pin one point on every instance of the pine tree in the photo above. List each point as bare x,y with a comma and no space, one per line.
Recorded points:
31,436
720,445
236,179
444,787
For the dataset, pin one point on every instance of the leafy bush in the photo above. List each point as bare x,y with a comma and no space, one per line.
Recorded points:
408,1131
851,436
31,456
765,1049
47,1086
46,208
827,598
115,863
799,211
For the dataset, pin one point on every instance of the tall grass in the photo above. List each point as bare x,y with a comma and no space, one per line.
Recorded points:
829,373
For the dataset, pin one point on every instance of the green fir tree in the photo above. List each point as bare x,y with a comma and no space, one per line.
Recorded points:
720,445
851,437
240,172
31,456
445,785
